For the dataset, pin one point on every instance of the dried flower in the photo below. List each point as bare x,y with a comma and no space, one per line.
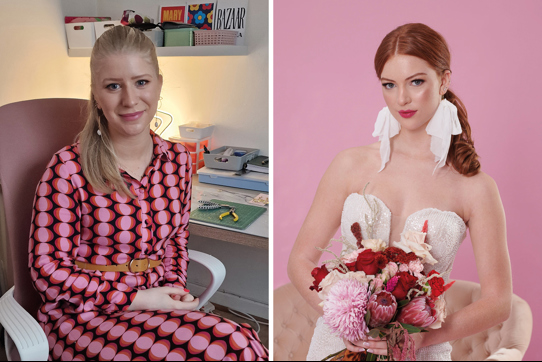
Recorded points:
420,312
356,230
345,309
425,227
382,307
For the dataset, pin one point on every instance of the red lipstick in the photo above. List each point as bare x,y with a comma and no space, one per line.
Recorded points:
407,114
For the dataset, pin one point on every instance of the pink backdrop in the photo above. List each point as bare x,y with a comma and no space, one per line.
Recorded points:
327,97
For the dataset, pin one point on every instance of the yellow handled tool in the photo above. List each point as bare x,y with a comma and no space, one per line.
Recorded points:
232,213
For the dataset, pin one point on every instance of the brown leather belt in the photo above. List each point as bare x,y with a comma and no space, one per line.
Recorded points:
134,266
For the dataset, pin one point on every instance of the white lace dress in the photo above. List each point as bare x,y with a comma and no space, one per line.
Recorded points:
445,233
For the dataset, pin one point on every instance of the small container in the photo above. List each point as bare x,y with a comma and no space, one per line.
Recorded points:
101,27
80,35
178,37
215,37
216,159
156,35
196,130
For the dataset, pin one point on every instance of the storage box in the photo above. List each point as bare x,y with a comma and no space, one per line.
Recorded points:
215,37
194,130
195,147
217,160
156,35
178,37
101,27
80,35
251,180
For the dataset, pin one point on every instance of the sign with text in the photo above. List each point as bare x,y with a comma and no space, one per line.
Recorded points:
173,13
232,15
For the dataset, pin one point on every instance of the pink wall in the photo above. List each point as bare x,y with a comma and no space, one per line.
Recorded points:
327,97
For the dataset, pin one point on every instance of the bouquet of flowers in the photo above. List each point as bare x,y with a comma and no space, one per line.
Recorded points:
377,291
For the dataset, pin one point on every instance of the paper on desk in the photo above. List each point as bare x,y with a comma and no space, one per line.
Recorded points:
261,199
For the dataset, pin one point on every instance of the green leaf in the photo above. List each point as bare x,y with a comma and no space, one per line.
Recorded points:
374,333
411,328
367,317
402,303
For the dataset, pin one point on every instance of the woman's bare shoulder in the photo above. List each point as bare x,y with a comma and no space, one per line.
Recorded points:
478,190
356,158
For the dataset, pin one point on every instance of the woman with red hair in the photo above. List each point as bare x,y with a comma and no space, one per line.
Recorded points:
424,167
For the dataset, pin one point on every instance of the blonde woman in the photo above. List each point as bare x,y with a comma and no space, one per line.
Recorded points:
108,243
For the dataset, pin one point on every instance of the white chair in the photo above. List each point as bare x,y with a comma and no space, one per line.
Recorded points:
31,132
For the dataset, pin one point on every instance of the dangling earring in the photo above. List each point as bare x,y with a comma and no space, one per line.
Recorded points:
99,132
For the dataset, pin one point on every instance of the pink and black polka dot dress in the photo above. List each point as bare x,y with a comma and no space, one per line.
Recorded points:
84,312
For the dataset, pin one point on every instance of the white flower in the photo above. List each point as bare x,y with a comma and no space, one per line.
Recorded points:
440,307
327,283
414,241
375,245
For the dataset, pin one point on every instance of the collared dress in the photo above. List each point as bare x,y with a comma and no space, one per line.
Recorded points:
84,312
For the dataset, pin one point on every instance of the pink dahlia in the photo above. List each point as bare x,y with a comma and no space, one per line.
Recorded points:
420,312
345,309
382,307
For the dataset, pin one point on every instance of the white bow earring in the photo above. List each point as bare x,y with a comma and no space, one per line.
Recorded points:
386,127
441,127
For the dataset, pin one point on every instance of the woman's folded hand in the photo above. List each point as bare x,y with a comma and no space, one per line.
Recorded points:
164,298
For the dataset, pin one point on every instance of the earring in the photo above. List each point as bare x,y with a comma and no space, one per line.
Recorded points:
99,133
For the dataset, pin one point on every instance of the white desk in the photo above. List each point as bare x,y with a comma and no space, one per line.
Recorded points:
256,235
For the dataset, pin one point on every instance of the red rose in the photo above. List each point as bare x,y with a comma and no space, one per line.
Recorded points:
367,262
318,274
405,283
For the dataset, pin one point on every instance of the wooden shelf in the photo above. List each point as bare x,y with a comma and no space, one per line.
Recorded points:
186,51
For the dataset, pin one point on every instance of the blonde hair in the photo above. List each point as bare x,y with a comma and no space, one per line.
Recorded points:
98,158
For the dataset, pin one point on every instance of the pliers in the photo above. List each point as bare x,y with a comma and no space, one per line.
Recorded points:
232,213
209,205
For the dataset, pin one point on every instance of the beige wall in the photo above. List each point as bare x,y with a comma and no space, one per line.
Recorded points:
230,92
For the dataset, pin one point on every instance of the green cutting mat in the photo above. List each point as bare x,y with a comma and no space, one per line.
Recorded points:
247,215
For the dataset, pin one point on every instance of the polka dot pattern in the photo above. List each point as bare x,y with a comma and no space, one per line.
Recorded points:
85,313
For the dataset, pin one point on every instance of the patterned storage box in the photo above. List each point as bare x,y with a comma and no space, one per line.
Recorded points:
215,37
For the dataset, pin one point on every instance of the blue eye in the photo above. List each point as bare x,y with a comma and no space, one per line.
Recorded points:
418,81
113,86
142,82
388,85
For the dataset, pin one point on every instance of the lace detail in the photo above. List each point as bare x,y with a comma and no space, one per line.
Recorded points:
446,232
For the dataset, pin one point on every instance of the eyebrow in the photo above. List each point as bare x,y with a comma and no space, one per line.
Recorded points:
120,79
412,76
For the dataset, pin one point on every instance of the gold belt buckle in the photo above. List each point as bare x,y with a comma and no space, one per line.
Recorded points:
131,261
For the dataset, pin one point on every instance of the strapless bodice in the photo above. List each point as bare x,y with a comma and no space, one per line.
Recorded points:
446,230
